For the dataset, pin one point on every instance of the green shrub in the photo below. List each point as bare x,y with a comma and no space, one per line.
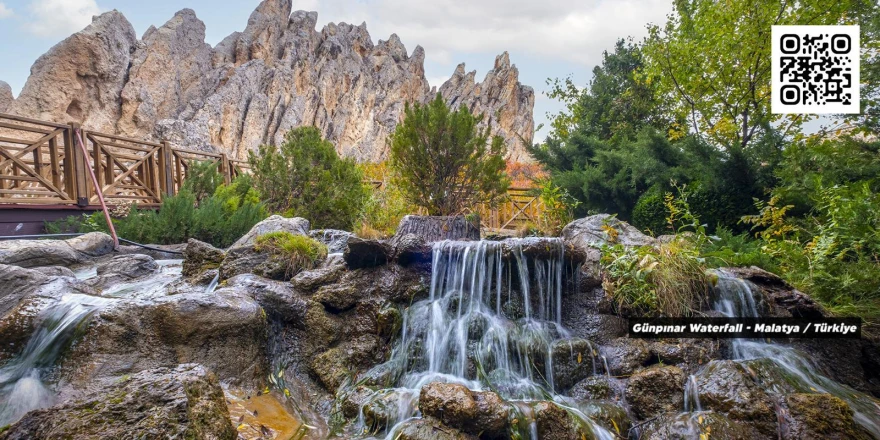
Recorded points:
219,219
669,280
202,179
444,162
305,177
385,206
650,214
298,252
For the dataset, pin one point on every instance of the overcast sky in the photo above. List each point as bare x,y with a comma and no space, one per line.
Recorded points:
545,39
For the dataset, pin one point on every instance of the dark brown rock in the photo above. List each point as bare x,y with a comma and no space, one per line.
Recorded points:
656,390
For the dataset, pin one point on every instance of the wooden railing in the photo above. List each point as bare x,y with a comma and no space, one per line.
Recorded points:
520,207
41,164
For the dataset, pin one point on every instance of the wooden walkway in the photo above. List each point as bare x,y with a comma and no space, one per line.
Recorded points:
44,175
41,166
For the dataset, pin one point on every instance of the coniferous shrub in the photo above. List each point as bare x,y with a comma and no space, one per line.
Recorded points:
304,177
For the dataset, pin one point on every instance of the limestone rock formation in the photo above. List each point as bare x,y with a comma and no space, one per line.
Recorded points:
6,97
255,85
80,79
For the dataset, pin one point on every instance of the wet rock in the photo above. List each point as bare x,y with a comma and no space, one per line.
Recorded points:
705,424
181,402
389,322
16,283
124,268
93,244
33,253
224,330
481,413
436,228
590,271
382,409
338,364
572,362
727,387
309,280
625,355
54,271
338,297
361,253
275,223
199,256
335,239
278,299
818,416
428,429
656,390
555,423
689,354
247,259
157,251
784,300
411,249
610,416
596,388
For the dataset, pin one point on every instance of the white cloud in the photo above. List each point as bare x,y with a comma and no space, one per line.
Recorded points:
5,12
566,30
437,81
60,18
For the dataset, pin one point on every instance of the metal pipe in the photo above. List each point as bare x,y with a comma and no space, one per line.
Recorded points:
98,191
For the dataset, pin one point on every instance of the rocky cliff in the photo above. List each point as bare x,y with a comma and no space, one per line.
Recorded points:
279,73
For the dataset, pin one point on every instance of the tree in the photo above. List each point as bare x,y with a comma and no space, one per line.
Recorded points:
443,161
714,58
618,102
305,177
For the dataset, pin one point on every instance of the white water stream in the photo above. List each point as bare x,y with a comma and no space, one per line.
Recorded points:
485,323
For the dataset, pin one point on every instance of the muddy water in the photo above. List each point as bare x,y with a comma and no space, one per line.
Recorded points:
262,417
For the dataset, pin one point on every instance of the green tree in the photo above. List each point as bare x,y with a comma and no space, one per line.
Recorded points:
443,161
714,57
305,177
617,103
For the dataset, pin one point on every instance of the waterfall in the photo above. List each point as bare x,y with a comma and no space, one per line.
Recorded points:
736,298
21,380
213,284
692,395
492,313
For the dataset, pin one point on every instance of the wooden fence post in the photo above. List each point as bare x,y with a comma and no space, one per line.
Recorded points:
79,170
224,168
166,172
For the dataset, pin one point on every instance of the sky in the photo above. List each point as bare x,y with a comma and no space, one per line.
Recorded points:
545,39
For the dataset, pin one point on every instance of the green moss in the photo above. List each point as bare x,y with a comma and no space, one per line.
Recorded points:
297,252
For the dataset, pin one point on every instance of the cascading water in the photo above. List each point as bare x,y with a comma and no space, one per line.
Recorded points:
488,319
736,298
21,380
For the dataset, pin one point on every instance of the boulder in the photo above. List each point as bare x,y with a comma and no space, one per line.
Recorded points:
704,424
16,283
360,253
689,354
432,228
33,253
335,239
625,355
279,300
224,330
481,413
181,402
818,416
727,387
783,300
656,390
411,249
598,387
55,271
555,423
199,256
428,429
247,259
343,361
572,361
275,223
124,268
600,229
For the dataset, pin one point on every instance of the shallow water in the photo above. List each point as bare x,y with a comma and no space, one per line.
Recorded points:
261,416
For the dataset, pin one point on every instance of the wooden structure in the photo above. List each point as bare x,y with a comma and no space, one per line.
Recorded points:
42,165
521,207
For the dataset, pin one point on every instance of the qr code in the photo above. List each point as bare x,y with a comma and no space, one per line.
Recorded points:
815,69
